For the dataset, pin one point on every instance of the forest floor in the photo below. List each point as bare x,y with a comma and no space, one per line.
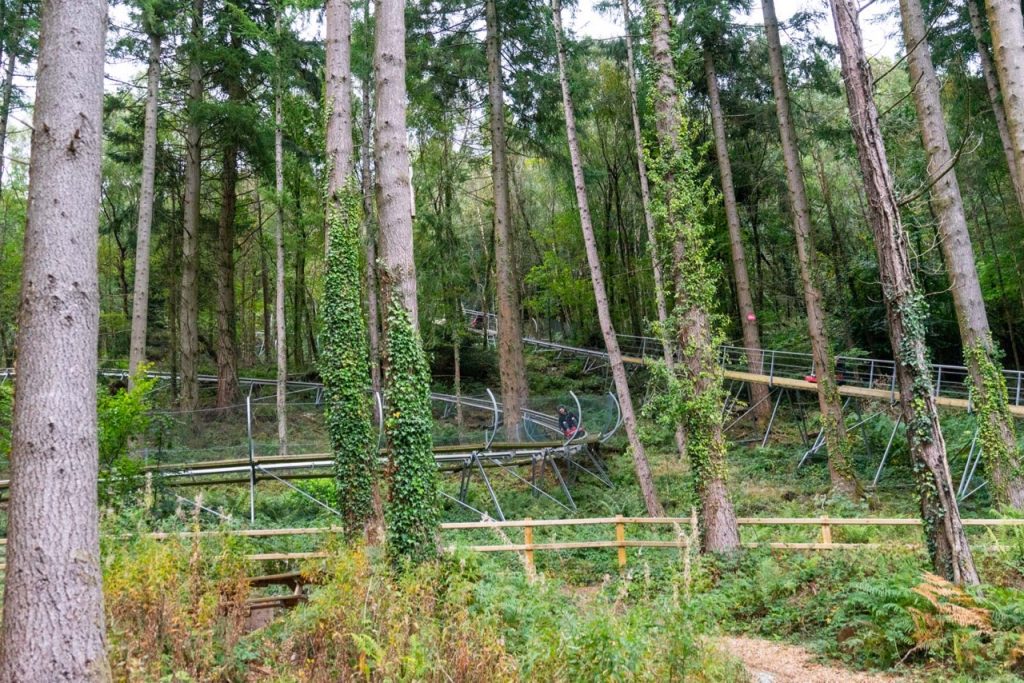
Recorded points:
773,662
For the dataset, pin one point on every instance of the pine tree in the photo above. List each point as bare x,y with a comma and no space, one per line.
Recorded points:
906,313
696,386
412,512
640,464
988,391
53,617
514,390
829,402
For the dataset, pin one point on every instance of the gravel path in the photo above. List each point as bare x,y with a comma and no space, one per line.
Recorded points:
771,662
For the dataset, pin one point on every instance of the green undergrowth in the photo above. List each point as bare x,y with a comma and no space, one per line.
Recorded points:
176,612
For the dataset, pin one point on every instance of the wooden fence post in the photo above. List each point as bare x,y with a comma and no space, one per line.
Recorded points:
826,530
528,542
620,538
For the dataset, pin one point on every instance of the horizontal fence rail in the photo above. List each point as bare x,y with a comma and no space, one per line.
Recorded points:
685,535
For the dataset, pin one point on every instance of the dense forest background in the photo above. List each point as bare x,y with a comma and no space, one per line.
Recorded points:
241,56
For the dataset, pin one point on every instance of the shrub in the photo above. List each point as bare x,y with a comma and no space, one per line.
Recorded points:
175,609
122,417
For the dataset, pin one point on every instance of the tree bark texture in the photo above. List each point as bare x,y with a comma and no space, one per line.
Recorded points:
699,355
188,313
998,437
53,618
988,71
748,319
397,269
1007,28
280,333
905,312
338,46
511,364
140,299
829,402
227,343
369,226
640,463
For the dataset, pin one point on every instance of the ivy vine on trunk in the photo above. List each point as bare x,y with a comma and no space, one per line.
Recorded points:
412,513
345,366
695,393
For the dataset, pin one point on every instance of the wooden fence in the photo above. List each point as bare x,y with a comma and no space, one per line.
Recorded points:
684,529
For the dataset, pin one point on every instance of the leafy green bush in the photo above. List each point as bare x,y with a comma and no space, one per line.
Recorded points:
122,416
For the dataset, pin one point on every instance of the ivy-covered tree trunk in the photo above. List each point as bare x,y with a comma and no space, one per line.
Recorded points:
748,319
829,402
697,383
988,72
1007,28
344,360
511,364
188,312
140,298
53,618
345,368
988,391
640,464
906,312
645,199
412,510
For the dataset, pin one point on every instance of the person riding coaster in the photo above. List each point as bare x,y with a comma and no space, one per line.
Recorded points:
569,423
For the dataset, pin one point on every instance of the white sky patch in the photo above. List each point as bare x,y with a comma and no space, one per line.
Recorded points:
880,33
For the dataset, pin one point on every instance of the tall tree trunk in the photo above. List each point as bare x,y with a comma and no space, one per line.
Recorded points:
829,402
397,269
645,200
1007,28
988,71
648,214
140,301
369,225
906,314
460,420
188,313
264,281
699,371
412,517
748,319
9,47
338,44
988,393
280,335
611,342
173,302
53,619
512,366
299,291
227,345
840,259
